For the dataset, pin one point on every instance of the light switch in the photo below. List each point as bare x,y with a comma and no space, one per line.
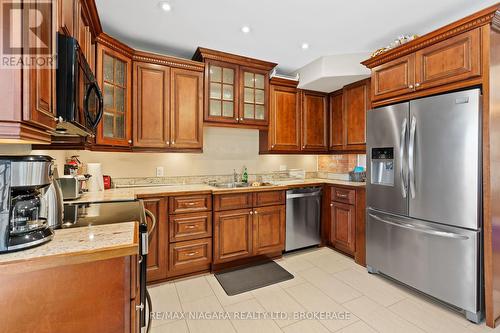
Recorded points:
159,171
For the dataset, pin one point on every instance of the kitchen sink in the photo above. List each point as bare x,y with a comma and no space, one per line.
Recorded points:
231,185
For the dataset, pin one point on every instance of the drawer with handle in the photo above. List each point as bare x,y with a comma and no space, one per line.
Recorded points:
344,195
190,203
190,256
190,226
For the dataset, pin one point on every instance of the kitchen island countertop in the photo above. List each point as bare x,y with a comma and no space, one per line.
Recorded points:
75,246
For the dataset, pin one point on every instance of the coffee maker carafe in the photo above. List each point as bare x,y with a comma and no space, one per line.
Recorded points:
23,215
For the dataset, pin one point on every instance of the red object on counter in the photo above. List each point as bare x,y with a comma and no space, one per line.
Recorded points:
107,182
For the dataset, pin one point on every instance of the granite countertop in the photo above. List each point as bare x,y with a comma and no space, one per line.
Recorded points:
129,194
76,245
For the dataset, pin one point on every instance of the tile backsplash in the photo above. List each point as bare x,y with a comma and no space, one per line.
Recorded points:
340,163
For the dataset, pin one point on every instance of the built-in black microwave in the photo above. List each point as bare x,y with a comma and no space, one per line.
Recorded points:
79,98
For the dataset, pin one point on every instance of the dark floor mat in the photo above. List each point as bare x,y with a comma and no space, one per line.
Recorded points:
243,279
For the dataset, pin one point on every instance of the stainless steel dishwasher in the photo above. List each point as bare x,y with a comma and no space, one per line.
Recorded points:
303,217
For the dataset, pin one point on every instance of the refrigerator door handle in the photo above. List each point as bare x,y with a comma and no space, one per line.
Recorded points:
410,226
411,155
402,158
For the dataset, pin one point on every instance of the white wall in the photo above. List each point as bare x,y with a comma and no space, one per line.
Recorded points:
225,149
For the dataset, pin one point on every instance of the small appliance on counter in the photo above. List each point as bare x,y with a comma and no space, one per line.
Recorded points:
90,214
24,207
72,187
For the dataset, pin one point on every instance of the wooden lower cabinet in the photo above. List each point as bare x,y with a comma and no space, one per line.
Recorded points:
158,240
268,229
343,227
344,221
232,235
190,256
84,298
249,232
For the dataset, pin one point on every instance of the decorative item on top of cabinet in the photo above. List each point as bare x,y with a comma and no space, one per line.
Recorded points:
284,118
114,74
236,89
314,121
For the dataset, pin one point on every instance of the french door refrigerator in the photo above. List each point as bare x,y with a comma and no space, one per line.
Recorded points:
423,225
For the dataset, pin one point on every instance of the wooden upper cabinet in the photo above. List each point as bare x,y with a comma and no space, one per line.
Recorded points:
356,99
236,89
40,89
186,109
232,235
114,74
451,60
151,105
221,90
66,16
444,60
254,87
269,229
284,125
337,134
393,78
314,121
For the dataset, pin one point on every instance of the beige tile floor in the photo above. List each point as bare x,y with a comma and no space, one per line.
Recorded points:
324,281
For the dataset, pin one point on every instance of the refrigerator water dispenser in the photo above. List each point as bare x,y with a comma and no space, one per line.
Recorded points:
382,166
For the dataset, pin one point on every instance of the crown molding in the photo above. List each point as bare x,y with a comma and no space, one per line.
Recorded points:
203,54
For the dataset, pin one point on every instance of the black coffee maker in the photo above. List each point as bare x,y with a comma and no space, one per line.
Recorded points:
23,206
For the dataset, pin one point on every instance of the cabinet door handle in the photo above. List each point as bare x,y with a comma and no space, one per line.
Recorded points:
139,307
190,203
130,142
417,85
251,213
272,146
255,212
410,86
190,254
173,142
191,226
331,205
341,195
167,142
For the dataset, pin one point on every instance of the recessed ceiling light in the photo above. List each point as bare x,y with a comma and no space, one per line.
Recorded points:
304,46
165,6
245,29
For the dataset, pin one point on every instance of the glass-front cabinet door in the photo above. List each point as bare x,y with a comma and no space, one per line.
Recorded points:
222,90
115,78
253,100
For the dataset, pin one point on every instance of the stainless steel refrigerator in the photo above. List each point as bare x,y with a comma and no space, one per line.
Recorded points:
423,225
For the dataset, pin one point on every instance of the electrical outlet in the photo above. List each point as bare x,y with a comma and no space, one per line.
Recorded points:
283,168
159,171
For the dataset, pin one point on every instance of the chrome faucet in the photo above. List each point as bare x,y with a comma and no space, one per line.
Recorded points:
235,176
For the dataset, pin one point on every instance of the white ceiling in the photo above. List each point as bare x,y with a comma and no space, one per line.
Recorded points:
279,27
